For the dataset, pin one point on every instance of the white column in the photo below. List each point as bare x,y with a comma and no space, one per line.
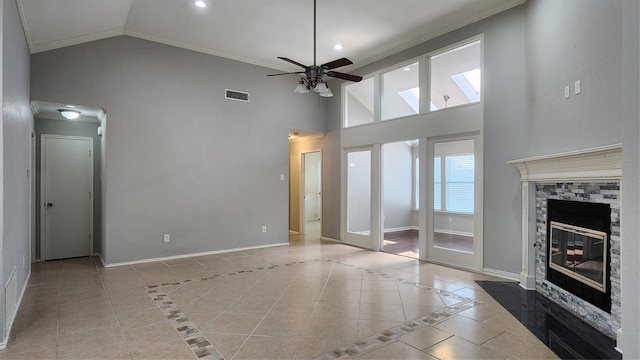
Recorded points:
528,273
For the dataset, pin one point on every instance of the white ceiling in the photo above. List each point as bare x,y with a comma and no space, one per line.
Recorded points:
256,31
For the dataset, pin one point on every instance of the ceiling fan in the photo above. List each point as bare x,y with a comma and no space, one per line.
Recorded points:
314,73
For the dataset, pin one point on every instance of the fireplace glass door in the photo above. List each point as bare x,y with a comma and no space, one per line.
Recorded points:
579,253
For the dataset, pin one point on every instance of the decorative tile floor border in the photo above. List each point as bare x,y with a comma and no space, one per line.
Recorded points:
204,349
378,340
199,344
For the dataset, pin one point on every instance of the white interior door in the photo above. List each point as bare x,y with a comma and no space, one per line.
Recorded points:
67,187
311,186
311,208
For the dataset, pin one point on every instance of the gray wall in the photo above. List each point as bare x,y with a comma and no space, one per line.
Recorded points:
72,128
182,160
589,52
331,157
16,143
630,215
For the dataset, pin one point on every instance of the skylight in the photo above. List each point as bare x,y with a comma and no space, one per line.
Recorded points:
412,98
469,83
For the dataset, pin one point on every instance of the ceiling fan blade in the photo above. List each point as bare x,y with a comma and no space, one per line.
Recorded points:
339,75
337,63
290,73
292,61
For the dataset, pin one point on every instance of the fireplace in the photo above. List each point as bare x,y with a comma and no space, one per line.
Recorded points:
578,249
564,263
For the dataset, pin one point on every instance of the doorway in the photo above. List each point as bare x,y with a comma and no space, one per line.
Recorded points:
400,198
66,192
311,193
454,218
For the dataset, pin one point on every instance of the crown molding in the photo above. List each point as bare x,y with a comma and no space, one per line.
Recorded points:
51,45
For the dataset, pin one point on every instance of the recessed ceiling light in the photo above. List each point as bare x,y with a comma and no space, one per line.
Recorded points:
337,47
200,3
70,106
407,69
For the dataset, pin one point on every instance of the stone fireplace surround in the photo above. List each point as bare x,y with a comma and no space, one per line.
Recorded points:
590,175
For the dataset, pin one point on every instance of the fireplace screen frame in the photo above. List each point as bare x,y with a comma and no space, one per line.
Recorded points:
600,236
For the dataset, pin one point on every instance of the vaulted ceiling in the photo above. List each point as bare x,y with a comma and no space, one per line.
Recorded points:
256,31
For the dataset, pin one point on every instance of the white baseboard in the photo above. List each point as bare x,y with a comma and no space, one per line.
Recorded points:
502,274
182,256
401,228
453,232
527,282
5,341
101,259
618,337
330,239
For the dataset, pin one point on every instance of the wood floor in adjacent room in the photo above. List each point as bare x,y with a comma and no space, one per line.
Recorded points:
311,299
405,243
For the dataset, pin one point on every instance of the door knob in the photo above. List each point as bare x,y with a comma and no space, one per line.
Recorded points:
49,205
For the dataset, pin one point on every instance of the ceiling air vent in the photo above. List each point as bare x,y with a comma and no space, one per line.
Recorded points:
236,95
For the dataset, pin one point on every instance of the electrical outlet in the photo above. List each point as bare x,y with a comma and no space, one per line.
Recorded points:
567,92
264,228
167,238
577,87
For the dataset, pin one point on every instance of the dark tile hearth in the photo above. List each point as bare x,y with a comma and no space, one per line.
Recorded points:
565,334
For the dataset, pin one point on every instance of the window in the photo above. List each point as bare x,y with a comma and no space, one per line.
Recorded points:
359,103
401,92
453,74
459,173
359,192
453,177
456,77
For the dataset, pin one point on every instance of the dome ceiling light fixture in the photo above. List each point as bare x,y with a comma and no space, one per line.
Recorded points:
69,114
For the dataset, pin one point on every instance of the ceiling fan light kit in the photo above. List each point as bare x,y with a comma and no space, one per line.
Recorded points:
314,74
302,87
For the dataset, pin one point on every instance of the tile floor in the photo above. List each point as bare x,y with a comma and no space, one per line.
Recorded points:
312,299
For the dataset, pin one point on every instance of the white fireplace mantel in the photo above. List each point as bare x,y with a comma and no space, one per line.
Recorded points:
602,163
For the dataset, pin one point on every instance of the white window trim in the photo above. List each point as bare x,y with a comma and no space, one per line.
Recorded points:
424,81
